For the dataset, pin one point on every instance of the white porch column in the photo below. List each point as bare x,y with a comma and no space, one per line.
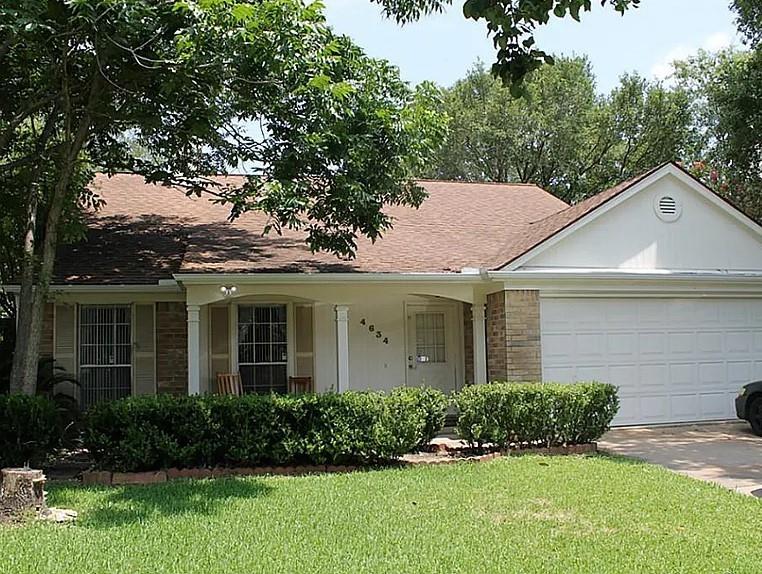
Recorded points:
480,344
194,350
342,347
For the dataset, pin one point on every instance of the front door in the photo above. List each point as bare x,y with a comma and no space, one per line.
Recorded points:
432,346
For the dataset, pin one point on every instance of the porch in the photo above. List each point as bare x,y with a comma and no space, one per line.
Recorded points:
343,332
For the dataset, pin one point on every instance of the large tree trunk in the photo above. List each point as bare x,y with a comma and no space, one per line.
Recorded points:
24,375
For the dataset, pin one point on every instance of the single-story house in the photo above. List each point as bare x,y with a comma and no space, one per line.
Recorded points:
654,285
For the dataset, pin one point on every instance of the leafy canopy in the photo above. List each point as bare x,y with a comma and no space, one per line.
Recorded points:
329,135
562,135
510,23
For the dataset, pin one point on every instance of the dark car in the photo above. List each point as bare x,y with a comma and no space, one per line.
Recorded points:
749,405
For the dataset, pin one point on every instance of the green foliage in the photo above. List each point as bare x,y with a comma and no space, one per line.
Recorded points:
726,96
142,433
427,404
29,430
511,25
545,414
562,135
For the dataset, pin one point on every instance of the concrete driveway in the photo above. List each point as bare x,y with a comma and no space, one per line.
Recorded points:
725,453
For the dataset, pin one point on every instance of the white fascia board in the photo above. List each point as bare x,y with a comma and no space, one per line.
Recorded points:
161,287
616,283
292,278
668,169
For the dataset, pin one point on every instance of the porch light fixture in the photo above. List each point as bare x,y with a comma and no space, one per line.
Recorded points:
228,290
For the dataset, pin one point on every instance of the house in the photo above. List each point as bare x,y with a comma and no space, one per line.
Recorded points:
654,285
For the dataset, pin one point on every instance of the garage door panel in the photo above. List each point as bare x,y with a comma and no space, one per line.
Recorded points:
709,343
591,345
651,376
654,408
739,373
683,375
672,359
625,375
560,374
683,407
714,405
711,374
739,342
622,345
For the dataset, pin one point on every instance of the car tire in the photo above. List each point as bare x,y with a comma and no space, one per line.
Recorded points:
755,415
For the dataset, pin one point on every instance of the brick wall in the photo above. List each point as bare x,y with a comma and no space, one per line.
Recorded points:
171,348
496,337
513,336
468,342
46,337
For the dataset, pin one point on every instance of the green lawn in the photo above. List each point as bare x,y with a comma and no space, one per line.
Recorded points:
526,514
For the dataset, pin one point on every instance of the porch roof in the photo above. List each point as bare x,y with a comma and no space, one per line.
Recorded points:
146,233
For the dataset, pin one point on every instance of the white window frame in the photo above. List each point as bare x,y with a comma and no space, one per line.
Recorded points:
290,332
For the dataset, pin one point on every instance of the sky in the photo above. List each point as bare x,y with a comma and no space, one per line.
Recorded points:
443,47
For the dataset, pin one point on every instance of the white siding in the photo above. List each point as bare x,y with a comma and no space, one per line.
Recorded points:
631,236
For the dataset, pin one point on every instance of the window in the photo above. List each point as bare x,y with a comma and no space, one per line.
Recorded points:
105,353
263,348
430,337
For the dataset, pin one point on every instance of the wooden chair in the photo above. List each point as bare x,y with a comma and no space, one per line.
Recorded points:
300,385
229,384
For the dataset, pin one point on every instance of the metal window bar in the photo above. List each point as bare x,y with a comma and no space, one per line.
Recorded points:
105,353
263,348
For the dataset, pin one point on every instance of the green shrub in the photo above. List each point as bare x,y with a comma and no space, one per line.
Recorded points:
535,413
29,430
146,433
430,405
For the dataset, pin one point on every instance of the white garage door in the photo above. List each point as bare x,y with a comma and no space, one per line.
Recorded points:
674,360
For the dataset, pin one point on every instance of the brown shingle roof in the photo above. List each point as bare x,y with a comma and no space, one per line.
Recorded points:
145,233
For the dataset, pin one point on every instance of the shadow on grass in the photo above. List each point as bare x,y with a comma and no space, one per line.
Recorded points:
119,506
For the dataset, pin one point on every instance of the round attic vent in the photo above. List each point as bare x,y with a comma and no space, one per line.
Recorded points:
667,207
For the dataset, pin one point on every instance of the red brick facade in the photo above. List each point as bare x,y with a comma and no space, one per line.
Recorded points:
468,342
513,336
171,348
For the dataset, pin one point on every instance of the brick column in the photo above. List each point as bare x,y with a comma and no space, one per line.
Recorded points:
171,348
513,336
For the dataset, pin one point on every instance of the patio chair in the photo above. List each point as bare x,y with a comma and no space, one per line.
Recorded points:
229,384
300,385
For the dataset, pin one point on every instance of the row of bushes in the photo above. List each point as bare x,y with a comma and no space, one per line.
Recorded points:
145,433
547,414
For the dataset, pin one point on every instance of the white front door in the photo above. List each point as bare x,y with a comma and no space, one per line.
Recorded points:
674,360
432,348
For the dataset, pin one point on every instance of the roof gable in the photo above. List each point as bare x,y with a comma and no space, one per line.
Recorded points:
620,229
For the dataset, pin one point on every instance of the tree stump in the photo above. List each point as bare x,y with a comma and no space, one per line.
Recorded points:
22,489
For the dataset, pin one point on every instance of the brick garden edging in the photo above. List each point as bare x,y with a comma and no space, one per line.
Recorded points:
108,478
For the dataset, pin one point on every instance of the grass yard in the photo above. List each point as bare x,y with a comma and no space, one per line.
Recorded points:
528,514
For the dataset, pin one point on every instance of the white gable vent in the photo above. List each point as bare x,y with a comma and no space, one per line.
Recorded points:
668,207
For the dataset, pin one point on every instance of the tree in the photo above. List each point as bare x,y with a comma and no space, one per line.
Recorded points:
562,135
511,24
332,136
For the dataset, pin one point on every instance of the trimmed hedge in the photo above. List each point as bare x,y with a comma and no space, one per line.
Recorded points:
29,430
544,414
149,433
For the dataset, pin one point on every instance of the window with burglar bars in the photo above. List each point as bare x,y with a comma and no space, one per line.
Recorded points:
263,348
105,353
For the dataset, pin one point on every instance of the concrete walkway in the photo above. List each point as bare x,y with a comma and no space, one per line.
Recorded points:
725,453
